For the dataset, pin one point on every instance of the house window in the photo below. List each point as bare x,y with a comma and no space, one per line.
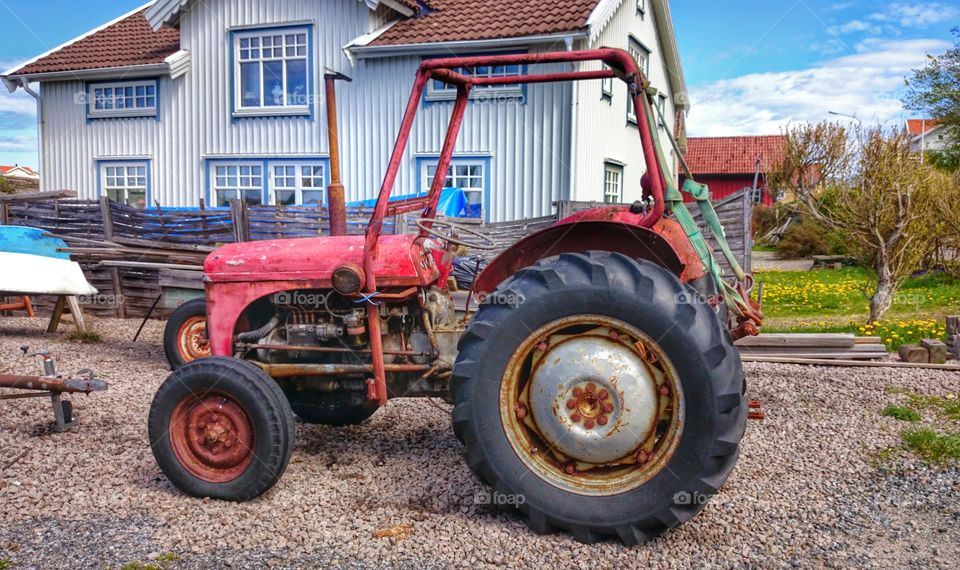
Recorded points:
125,182
298,184
606,87
612,183
440,91
238,181
661,111
468,176
272,72
122,99
756,195
641,7
642,56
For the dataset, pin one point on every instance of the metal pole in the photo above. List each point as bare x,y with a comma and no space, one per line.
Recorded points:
336,200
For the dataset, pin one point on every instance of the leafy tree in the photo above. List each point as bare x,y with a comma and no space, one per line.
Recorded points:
869,188
934,91
6,187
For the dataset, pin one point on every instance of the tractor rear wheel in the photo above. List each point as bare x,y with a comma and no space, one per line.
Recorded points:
221,428
599,395
185,334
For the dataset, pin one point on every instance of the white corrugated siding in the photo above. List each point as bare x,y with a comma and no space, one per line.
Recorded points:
602,132
528,144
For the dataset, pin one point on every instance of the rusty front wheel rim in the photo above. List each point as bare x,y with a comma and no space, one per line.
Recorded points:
212,437
589,407
192,342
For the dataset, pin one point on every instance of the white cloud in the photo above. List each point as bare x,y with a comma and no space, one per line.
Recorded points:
20,102
918,14
867,83
18,143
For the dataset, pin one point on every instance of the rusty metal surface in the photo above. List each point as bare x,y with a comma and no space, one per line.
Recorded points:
335,191
78,385
643,452
294,370
192,340
577,237
212,437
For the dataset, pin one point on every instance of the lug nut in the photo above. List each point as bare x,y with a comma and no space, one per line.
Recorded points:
614,335
643,457
214,418
534,450
571,404
591,387
542,347
608,407
521,411
228,443
602,420
576,418
569,468
202,425
603,394
664,391
588,424
577,392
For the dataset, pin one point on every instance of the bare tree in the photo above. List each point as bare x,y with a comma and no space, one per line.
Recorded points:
867,186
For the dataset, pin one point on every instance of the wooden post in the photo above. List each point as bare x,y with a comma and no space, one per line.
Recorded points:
120,302
747,231
4,214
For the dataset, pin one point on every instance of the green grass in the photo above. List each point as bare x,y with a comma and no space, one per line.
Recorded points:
901,413
765,248
5,563
948,407
932,446
837,300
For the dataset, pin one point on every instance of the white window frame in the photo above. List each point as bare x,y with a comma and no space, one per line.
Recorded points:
140,101
427,178
606,87
220,180
439,91
300,176
612,175
134,175
756,195
300,52
662,110
637,49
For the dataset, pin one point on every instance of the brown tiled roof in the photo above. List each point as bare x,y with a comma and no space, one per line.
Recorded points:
130,41
917,127
460,20
734,155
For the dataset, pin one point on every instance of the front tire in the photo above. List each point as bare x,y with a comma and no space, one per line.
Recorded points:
599,395
185,334
221,428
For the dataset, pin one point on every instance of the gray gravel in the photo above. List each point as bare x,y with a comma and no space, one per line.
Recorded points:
808,491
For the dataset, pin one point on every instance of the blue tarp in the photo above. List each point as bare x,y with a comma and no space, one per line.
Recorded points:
453,202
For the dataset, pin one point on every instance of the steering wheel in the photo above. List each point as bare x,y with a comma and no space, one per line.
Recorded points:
486,244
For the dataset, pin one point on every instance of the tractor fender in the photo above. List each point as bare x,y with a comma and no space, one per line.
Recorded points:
664,244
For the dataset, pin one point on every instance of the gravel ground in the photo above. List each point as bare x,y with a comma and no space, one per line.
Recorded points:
768,261
808,491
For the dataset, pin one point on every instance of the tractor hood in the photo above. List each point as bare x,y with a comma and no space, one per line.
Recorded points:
314,259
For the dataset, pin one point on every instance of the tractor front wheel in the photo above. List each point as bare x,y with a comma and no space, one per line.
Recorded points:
221,428
599,395
185,335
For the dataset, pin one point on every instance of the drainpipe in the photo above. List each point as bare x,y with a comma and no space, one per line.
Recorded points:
574,127
26,87
336,199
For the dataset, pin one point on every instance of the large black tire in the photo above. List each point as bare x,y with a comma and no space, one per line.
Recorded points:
264,406
189,311
687,330
338,409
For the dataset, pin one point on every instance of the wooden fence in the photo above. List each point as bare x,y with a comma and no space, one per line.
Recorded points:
122,249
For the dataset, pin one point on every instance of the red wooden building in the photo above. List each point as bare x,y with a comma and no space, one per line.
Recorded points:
729,164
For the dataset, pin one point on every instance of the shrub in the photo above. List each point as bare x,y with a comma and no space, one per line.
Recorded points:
804,239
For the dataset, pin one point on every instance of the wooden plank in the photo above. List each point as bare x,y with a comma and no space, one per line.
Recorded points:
853,363
790,340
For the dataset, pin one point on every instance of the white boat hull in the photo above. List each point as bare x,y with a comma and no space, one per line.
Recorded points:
38,275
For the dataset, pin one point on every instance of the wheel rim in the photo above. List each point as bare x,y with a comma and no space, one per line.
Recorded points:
192,342
592,405
212,437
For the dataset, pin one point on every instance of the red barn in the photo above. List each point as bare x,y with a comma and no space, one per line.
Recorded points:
729,164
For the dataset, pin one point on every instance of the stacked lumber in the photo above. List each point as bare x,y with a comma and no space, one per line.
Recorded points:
823,346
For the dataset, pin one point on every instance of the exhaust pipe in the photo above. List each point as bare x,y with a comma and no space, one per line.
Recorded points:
336,200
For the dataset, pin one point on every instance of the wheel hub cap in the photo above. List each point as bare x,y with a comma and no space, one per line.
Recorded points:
593,399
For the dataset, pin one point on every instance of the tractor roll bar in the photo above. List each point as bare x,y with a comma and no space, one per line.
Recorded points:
621,65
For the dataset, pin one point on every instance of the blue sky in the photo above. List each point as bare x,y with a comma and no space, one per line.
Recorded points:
752,66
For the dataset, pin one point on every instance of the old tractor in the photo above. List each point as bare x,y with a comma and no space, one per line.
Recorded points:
597,378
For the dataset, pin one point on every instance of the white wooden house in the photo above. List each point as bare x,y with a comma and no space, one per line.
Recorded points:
180,101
